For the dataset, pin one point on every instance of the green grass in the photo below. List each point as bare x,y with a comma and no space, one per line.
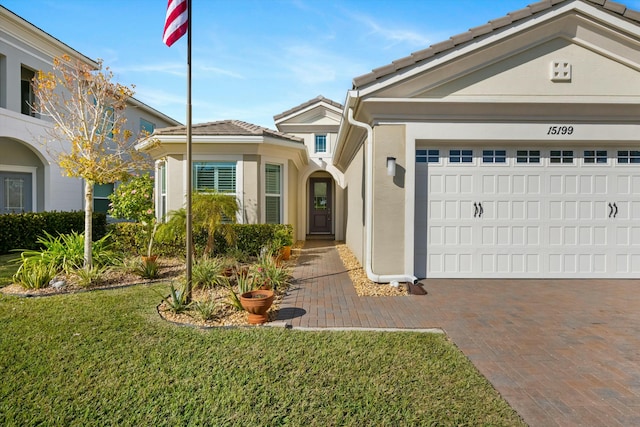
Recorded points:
106,358
7,268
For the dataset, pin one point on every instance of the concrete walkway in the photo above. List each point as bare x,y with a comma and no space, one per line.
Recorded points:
561,352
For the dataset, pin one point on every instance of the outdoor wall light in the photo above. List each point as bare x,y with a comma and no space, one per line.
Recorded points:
391,166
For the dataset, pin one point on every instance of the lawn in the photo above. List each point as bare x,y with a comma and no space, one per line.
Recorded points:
106,358
7,268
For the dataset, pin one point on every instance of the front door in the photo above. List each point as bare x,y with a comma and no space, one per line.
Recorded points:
15,192
320,206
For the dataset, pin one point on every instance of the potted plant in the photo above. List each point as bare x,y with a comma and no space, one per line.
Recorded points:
257,303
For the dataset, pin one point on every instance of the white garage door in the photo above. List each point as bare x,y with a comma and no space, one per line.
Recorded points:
527,212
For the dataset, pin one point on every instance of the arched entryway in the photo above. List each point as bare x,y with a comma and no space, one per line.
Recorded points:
21,178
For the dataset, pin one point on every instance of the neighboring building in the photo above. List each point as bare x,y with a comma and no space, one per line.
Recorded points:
508,151
30,180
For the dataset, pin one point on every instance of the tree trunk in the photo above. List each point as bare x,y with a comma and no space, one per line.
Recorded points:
88,224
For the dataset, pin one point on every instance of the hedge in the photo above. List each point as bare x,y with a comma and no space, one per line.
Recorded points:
21,231
248,238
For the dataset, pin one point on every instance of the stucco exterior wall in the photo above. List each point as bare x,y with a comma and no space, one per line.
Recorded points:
389,200
354,205
251,190
292,199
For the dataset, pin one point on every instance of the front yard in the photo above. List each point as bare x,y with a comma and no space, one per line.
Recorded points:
107,358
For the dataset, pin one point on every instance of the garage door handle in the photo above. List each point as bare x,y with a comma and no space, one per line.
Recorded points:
615,214
481,209
610,210
475,205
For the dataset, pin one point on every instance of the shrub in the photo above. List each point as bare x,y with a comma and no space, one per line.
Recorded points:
65,252
23,230
131,238
34,275
251,238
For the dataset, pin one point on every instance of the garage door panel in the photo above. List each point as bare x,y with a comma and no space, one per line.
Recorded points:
532,220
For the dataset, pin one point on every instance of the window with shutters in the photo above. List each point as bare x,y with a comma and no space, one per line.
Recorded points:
214,176
273,193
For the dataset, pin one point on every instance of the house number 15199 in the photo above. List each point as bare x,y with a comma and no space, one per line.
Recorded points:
560,130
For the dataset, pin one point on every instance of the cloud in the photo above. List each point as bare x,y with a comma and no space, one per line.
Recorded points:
393,36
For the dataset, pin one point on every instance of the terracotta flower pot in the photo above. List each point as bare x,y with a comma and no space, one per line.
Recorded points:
257,303
285,253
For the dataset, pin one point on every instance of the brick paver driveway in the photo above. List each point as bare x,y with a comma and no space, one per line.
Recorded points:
561,352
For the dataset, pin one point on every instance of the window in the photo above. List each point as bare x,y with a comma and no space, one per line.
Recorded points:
494,156
162,191
460,156
564,156
528,156
146,127
217,176
595,156
321,144
626,157
427,156
101,194
273,194
27,97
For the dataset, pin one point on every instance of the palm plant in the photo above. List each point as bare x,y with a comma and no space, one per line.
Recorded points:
209,210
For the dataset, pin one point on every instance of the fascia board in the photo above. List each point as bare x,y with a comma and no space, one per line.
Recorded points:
306,109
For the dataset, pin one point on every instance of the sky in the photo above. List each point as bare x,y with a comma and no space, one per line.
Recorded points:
253,59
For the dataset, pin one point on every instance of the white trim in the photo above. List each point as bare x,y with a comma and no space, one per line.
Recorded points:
284,175
34,181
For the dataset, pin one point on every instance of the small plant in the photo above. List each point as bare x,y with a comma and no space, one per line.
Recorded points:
177,301
147,268
34,275
87,277
245,282
205,309
208,273
269,273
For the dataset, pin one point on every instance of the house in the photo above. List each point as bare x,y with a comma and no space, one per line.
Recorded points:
30,180
516,147
509,151
283,176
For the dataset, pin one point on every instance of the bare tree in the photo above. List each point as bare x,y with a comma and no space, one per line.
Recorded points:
88,139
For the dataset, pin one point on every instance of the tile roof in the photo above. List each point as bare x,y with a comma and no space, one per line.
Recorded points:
304,105
226,128
482,30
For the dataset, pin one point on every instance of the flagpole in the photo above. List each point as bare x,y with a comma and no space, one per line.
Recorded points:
189,159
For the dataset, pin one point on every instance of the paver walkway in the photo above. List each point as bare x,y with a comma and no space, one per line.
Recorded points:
561,352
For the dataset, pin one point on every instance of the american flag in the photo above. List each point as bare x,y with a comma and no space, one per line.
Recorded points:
175,24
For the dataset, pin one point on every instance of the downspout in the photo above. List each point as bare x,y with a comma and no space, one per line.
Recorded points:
378,278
